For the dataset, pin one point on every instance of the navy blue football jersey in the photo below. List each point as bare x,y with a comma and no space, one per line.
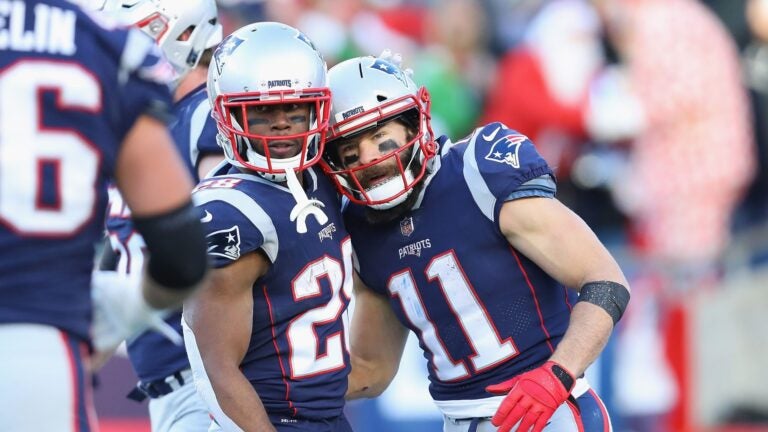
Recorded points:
193,129
70,89
152,355
297,359
482,311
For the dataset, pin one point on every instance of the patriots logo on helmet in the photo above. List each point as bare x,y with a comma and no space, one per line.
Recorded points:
225,49
302,37
389,68
506,149
225,243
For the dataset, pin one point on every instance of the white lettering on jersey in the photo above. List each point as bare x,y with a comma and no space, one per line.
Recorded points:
53,31
327,232
415,248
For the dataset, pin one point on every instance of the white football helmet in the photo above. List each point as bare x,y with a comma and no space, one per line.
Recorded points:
368,91
182,28
261,64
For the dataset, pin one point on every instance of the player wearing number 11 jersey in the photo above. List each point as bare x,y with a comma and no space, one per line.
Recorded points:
80,105
266,340
465,245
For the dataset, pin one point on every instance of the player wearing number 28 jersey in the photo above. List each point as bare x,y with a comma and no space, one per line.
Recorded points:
464,244
80,104
266,341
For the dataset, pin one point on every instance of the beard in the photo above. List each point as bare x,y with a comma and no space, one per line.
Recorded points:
378,217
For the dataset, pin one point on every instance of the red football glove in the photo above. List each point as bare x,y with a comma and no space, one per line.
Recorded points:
533,397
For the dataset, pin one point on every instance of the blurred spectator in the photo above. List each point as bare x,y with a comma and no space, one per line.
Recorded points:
685,174
447,46
689,169
509,19
348,28
455,64
541,86
234,14
731,12
755,62
555,88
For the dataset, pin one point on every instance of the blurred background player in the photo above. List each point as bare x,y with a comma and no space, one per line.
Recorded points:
266,341
184,30
466,245
79,104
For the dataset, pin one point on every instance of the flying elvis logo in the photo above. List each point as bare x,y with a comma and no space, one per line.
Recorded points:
225,49
225,243
389,68
506,149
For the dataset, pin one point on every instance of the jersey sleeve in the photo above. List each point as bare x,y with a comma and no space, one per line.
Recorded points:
206,143
194,130
203,133
501,164
143,80
234,223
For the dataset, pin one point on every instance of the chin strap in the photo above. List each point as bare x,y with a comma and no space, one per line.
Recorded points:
304,206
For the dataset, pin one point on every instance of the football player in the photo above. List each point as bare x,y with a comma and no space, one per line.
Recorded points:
466,245
186,31
266,340
80,103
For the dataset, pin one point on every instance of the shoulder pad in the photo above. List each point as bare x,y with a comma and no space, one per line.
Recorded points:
235,224
496,162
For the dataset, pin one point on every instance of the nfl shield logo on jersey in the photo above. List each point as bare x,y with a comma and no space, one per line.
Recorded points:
505,150
406,226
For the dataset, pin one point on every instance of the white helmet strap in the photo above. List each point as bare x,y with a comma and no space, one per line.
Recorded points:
304,206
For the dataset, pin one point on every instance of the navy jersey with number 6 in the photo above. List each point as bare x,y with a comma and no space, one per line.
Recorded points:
297,358
70,89
482,311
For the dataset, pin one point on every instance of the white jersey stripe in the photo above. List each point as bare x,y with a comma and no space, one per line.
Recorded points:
482,195
197,124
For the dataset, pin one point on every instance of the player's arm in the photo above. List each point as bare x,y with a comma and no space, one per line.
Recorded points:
562,244
377,340
156,186
559,242
221,317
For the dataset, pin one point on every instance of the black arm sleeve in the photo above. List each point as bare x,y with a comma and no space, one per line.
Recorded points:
176,246
613,297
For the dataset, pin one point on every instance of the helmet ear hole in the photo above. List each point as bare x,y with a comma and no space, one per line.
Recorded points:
381,98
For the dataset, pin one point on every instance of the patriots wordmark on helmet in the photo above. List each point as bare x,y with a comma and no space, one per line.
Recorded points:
279,83
353,111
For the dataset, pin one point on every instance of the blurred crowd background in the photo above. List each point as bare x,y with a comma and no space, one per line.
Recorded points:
654,114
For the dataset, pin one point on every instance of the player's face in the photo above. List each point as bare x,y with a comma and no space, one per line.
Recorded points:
367,147
279,120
